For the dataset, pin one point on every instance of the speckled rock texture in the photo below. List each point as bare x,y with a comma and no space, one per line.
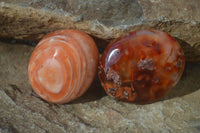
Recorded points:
21,110
31,20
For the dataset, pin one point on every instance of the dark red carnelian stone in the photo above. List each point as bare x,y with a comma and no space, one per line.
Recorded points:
142,66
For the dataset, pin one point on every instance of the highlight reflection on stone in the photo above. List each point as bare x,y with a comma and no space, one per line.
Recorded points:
63,65
142,66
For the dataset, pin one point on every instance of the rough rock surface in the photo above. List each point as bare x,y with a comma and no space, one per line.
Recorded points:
21,110
31,20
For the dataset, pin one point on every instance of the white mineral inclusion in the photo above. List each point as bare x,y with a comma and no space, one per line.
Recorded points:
50,75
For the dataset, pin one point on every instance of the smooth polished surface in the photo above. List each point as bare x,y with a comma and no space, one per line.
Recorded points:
63,65
141,66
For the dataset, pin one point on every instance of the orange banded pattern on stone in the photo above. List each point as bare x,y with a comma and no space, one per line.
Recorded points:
63,65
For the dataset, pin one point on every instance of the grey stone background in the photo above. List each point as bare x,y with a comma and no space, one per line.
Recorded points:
21,110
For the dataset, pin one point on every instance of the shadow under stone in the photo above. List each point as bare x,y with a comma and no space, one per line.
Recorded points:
192,53
94,93
189,82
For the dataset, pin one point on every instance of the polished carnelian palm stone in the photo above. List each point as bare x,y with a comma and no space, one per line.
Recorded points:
142,66
63,65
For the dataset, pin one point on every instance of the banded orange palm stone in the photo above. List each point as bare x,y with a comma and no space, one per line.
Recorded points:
63,65
142,66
